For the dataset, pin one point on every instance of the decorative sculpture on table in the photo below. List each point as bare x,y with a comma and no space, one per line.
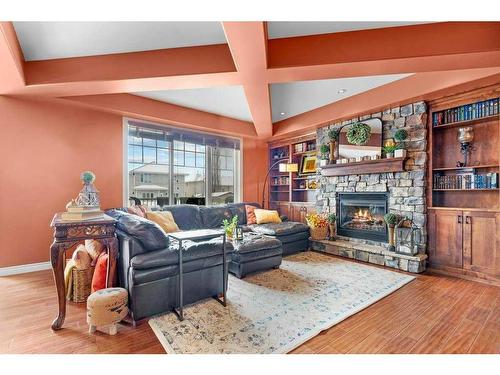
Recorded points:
86,205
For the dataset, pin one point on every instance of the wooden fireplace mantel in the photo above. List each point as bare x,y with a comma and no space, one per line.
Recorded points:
364,167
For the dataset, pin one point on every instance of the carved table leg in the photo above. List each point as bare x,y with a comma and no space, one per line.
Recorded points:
57,260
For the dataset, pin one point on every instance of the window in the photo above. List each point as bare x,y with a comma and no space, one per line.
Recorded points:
171,166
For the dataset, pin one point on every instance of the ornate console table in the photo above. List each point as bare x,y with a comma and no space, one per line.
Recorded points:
66,235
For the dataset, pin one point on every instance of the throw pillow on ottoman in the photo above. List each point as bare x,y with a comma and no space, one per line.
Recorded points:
106,308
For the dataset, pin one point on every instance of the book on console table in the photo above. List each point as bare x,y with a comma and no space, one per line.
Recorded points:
76,213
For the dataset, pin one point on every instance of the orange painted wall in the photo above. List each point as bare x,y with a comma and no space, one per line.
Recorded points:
44,146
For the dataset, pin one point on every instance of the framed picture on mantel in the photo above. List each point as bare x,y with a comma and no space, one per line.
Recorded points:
308,165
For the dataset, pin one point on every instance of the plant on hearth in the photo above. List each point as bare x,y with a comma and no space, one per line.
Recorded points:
359,134
318,225
391,220
230,225
332,219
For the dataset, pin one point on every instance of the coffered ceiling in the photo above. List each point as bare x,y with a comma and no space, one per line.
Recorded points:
53,40
253,79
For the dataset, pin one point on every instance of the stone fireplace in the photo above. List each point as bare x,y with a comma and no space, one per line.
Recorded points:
361,215
360,233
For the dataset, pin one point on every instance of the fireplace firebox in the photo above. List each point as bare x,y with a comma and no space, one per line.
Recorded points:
361,215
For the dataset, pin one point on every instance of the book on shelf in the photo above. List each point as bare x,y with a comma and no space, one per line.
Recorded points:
82,216
466,112
466,181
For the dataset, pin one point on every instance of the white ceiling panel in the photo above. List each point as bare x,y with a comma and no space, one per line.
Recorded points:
291,28
291,99
51,40
229,101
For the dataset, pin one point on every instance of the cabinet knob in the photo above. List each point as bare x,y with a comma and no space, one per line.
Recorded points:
459,219
467,220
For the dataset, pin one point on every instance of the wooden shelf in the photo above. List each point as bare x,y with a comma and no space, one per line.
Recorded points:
304,189
304,152
279,191
496,189
465,123
279,185
304,178
469,167
386,165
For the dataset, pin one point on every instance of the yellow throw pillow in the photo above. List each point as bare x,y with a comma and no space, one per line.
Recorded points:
267,216
164,219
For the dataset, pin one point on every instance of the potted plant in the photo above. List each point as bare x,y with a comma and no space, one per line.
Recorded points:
391,220
229,226
389,150
324,149
400,137
318,225
332,219
334,134
359,134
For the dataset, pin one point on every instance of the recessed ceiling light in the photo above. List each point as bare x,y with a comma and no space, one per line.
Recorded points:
282,113
341,91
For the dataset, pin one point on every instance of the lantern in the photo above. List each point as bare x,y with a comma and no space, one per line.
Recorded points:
238,234
408,237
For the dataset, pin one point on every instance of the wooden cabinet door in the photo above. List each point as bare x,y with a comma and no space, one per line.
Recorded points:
445,237
481,242
284,209
298,211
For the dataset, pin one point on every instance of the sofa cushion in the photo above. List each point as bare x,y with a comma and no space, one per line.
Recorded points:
266,216
186,216
293,237
238,209
280,229
253,243
149,234
211,217
169,256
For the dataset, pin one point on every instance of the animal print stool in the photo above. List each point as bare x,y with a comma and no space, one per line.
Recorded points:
105,308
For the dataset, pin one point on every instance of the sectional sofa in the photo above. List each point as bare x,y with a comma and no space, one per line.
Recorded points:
147,265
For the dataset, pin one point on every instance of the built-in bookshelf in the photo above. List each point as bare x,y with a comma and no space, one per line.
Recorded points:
292,193
475,185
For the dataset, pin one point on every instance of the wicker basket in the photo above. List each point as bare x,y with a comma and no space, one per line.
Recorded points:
82,283
319,233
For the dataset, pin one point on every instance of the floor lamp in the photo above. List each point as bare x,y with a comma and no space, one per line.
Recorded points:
283,167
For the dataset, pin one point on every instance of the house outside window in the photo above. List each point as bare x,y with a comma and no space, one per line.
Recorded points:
167,165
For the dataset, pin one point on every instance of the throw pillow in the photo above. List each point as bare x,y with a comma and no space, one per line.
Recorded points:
266,216
250,214
137,210
81,258
164,219
100,272
94,248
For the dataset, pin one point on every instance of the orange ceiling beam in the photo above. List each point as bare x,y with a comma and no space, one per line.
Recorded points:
152,110
248,45
11,60
420,86
402,49
176,68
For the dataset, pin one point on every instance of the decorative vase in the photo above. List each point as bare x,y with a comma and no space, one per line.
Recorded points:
389,155
333,151
390,229
323,162
401,153
332,232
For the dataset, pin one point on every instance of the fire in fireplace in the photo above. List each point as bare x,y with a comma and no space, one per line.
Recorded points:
361,215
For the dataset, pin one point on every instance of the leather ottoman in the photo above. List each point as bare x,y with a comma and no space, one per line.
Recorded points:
255,253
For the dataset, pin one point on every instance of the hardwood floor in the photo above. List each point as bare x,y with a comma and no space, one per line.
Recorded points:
432,314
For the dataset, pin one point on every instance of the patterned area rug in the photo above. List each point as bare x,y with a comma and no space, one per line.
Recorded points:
277,310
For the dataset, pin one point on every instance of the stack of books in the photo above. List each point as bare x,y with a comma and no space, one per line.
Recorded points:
466,181
466,112
80,213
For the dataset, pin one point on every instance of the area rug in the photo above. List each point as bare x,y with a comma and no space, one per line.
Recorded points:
277,310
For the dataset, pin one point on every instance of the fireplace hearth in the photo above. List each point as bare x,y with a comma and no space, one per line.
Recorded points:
361,215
